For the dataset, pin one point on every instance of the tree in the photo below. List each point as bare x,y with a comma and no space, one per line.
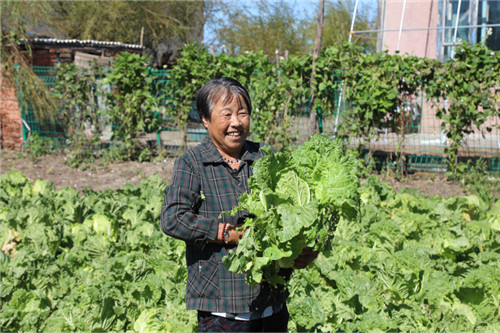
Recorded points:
166,23
337,25
317,46
16,60
276,27
161,26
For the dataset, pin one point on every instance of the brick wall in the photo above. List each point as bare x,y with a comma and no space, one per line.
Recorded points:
10,115
44,58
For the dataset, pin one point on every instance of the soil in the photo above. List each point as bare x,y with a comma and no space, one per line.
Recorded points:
97,176
105,175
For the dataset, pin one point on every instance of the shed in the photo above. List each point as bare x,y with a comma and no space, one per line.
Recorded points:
49,52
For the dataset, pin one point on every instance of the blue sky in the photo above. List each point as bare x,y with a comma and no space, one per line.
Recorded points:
303,9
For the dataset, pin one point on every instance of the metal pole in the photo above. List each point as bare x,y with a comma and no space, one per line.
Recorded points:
430,28
456,29
473,31
351,32
456,21
338,110
401,24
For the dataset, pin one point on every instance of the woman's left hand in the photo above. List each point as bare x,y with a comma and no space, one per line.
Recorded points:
305,258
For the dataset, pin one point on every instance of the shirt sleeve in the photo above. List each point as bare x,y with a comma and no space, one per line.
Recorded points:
178,214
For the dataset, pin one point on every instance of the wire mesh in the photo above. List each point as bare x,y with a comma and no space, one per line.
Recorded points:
420,139
44,128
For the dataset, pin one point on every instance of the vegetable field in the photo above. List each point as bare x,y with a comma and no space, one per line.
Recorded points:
97,261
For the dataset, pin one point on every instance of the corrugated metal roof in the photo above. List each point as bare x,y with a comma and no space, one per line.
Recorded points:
77,42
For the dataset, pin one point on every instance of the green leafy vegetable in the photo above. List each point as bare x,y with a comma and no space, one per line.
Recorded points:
408,263
297,199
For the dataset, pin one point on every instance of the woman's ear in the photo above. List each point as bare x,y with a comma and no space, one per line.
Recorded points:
204,120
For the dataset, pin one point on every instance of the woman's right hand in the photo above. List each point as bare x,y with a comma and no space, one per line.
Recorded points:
233,235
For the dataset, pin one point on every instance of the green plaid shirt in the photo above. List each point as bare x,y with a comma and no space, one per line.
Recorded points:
203,186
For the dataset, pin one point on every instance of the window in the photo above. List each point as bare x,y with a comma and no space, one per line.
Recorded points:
489,13
474,18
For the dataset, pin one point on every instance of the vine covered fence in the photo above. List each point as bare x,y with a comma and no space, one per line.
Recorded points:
411,133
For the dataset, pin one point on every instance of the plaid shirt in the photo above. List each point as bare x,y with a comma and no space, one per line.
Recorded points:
203,186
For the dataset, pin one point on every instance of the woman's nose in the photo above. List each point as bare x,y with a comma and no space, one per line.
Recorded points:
235,120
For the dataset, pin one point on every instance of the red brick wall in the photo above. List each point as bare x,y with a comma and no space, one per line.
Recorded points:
44,58
10,116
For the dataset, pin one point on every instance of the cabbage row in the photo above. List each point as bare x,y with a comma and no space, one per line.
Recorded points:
413,263
95,262
98,261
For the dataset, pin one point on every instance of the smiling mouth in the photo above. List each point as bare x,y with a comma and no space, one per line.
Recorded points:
235,134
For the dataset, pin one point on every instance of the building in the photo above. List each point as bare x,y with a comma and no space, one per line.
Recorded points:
48,53
51,52
431,28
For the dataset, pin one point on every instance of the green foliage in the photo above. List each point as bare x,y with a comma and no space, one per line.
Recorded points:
38,146
97,261
297,199
190,72
131,106
275,28
476,180
412,263
76,90
378,85
380,89
91,262
466,93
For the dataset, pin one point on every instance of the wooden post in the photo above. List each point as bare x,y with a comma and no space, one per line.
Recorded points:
142,35
313,117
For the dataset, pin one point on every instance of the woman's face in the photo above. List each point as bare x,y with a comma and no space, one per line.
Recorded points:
229,125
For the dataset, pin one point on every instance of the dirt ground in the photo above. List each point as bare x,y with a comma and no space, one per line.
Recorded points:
96,176
101,176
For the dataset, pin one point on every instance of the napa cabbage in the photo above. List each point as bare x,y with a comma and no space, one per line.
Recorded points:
296,200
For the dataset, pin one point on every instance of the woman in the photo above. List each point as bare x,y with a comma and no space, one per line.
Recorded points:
207,181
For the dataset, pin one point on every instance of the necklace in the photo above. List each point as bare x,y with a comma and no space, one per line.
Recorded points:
231,161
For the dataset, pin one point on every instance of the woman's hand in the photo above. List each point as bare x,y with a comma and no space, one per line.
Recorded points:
305,258
233,235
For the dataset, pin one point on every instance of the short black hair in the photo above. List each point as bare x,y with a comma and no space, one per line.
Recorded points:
214,89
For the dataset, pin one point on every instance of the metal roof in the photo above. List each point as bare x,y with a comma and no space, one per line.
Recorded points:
77,42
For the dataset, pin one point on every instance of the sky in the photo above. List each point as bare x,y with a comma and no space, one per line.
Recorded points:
303,9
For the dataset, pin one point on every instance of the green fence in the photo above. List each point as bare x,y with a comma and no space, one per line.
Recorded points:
44,128
423,143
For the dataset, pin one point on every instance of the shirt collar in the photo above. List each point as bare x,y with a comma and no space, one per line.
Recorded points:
210,154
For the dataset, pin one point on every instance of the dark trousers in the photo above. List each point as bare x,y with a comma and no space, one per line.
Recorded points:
278,322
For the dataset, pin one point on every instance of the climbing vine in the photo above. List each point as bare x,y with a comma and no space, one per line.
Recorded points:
76,91
380,89
130,103
466,91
